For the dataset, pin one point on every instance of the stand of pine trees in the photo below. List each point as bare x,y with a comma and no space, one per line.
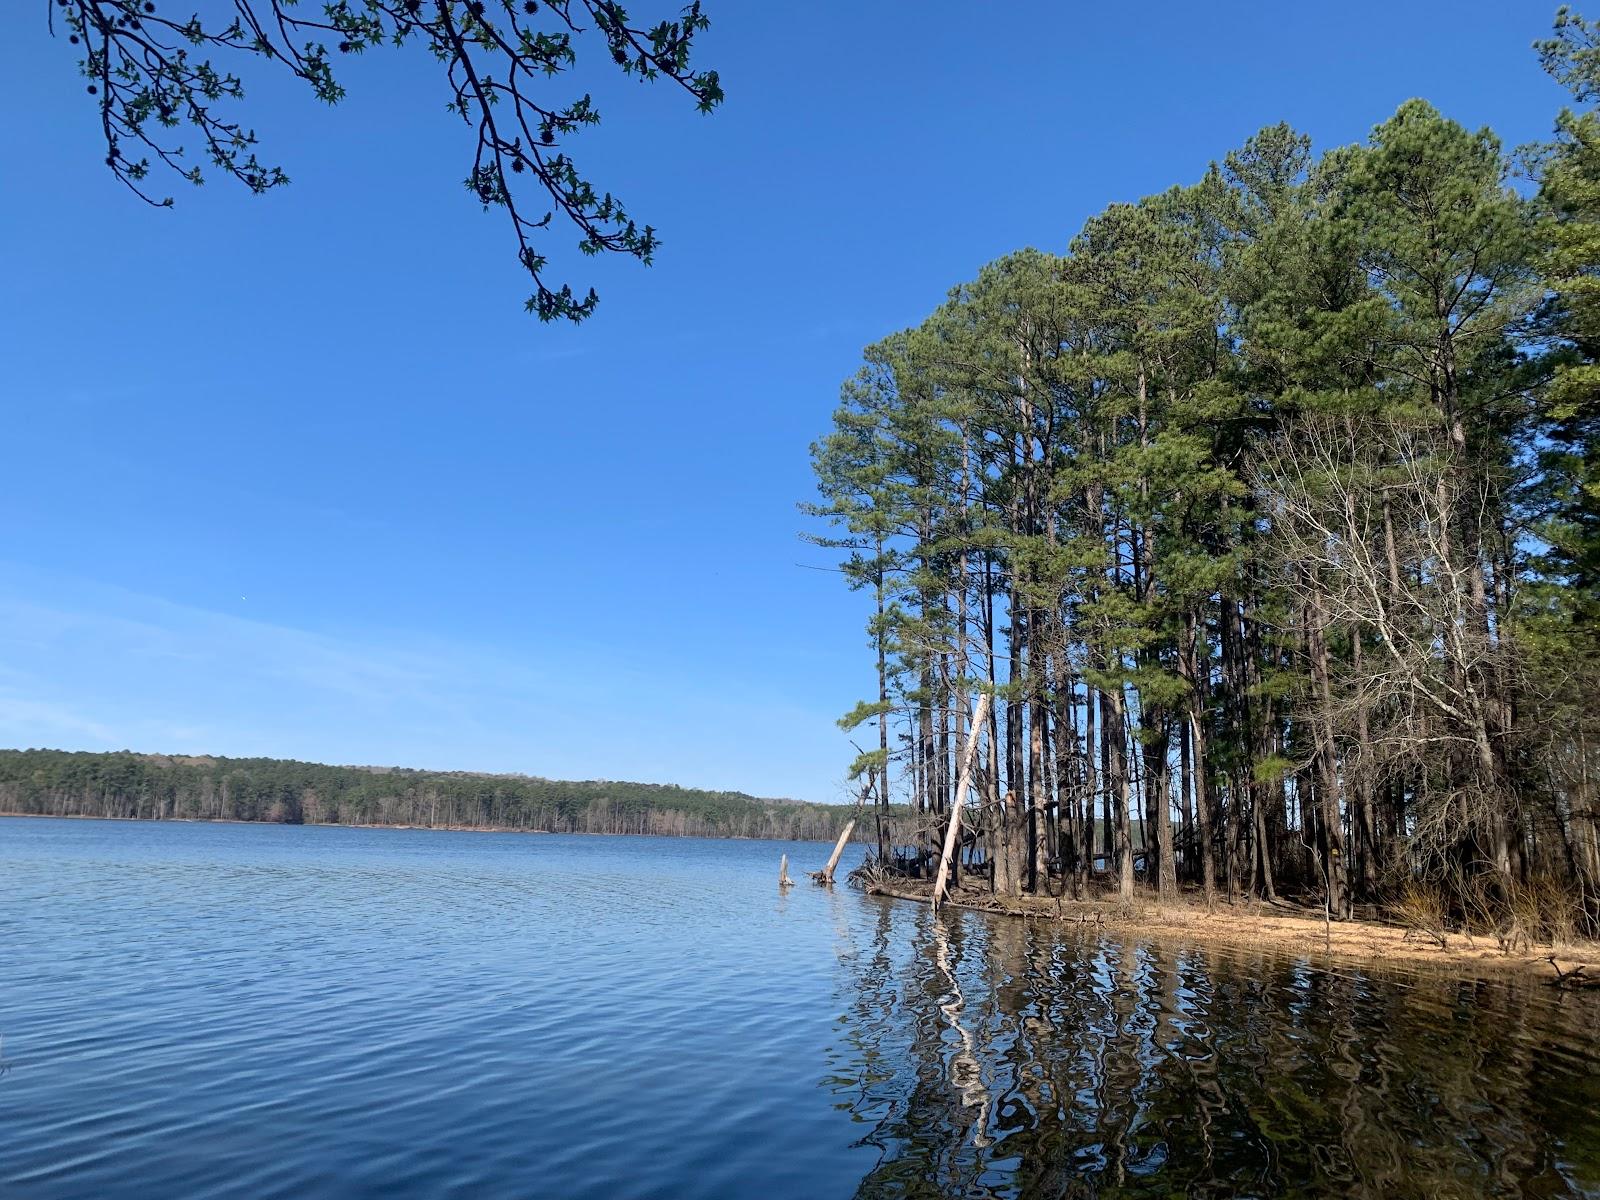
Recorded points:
1270,514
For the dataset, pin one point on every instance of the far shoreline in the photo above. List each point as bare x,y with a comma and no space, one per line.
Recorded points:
670,837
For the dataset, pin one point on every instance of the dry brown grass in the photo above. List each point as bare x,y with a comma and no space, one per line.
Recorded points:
1422,911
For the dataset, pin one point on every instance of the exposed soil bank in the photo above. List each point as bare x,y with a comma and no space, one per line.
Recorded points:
1291,930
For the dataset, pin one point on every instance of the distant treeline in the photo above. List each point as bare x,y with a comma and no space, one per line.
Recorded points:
158,787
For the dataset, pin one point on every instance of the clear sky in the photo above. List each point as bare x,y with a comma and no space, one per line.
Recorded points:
296,476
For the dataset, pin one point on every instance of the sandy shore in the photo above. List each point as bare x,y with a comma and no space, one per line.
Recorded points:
1291,930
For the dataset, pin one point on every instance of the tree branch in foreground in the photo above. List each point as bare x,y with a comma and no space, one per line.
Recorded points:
152,73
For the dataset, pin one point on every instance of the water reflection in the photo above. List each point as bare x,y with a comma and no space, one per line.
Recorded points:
990,1057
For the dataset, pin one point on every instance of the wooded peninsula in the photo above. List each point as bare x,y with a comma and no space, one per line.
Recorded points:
59,783
1265,520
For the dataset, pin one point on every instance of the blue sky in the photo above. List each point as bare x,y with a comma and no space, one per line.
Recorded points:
296,476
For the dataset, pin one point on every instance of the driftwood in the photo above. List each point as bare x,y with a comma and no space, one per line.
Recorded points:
783,873
969,755
824,877
977,903
985,902
1578,977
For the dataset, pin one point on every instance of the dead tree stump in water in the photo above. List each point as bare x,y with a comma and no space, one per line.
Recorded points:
783,873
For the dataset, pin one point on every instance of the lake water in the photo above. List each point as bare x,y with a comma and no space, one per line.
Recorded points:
261,1011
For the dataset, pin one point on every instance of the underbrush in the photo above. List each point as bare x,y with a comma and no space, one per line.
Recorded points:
1541,910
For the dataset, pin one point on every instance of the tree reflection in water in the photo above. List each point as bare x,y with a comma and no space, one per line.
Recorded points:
993,1057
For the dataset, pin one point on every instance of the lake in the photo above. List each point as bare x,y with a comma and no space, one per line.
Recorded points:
275,1011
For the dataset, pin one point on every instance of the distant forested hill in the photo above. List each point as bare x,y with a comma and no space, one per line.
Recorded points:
156,787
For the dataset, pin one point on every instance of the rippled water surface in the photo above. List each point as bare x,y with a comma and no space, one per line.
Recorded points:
258,1011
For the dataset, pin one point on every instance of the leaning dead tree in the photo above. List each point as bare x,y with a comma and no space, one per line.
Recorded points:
980,713
825,876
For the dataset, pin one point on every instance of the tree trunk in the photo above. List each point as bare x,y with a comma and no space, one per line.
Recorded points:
1332,833
1158,786
1196,669
1113,719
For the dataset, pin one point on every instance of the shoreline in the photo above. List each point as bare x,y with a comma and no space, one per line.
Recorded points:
686,837
1262,926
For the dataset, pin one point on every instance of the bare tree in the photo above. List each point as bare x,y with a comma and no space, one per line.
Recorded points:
1362,510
